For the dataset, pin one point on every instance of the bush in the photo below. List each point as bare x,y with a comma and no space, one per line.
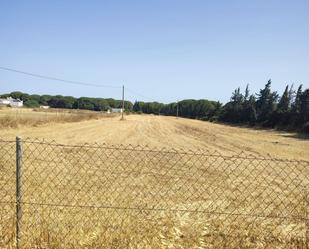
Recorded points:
306,127
214,118
204,118
31,103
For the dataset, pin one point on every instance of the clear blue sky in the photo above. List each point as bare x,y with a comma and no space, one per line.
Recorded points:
163,49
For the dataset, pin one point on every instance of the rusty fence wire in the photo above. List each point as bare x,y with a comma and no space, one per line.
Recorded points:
103,196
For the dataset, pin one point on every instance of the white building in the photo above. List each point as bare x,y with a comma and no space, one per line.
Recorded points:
4,102
11,102
116,110
44,106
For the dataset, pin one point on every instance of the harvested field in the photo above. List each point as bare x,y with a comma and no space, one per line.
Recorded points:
161,131
17,117
203,194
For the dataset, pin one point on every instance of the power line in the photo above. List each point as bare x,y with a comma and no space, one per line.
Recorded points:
74,82
140,95
57,79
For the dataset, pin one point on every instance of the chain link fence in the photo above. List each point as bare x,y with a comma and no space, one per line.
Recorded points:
102,196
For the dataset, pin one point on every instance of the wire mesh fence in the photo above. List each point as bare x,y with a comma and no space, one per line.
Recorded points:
102,196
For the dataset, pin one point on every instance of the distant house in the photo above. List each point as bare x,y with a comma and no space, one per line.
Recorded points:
16,103
4,101
44,106
11,102
116,110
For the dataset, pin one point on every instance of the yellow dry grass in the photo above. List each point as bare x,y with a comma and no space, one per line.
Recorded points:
133,193
161,131
17,117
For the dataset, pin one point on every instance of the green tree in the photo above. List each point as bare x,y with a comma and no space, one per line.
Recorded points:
297,102
284,103
232,111
247,93
31,103
251,111
304,106
266,104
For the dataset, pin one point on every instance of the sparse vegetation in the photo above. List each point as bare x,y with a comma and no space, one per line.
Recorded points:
14,118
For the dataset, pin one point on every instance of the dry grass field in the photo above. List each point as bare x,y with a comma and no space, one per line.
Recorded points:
204,194
19,117
161,131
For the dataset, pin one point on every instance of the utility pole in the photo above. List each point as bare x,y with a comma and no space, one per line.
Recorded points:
177,110
122,118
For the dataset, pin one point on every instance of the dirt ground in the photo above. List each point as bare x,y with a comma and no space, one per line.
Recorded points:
170,132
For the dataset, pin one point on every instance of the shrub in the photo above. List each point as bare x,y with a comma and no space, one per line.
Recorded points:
306,127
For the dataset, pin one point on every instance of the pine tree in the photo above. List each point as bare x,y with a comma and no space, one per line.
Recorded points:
247,92
249,111
284,103
237,97
261,103
265,105
291,95
237,100
297,102
304,106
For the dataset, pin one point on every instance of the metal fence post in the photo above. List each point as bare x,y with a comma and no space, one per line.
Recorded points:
18,190
306,206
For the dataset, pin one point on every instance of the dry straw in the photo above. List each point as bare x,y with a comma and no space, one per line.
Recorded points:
103,196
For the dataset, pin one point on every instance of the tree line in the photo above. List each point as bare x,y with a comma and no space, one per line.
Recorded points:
189,108
68,102
269,109
266,108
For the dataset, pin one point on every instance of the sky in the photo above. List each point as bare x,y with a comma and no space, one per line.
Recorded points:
164,50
